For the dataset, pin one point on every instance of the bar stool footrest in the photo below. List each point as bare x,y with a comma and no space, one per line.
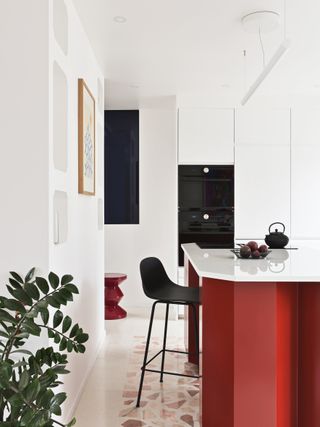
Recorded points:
143,367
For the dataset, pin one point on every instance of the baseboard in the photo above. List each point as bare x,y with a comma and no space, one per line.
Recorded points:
68,415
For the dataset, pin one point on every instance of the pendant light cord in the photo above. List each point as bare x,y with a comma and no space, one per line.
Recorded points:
262,49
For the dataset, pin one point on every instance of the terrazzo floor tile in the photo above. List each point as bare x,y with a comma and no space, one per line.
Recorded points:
109,397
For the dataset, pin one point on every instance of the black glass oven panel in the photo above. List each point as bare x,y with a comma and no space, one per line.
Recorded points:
206,221
206,186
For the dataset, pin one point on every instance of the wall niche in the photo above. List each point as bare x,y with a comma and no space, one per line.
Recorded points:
60,24
60,217
60,119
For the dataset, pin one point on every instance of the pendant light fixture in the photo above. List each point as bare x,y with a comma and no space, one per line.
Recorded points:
263,22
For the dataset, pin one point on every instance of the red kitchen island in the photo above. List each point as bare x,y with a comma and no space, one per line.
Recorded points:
260,337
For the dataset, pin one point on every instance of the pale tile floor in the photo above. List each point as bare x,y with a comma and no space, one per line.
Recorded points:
103,397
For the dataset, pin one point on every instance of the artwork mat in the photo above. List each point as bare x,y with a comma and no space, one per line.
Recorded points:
83,91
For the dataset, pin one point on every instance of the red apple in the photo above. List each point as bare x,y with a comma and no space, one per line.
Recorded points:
255,254
253,245
245,251
263,248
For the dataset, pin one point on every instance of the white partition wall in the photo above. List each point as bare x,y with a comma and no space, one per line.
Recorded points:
44,50
156,233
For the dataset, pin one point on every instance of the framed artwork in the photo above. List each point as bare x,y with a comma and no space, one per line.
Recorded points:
86,139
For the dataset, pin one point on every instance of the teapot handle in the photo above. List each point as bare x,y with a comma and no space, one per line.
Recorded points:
274,223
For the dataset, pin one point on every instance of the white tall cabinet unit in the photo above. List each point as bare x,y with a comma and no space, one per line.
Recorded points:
262,171
206,136
305,181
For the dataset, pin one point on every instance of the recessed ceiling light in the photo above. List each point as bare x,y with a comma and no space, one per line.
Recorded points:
120,19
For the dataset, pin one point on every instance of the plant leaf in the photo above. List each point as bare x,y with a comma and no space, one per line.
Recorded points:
14,305
45,399
30,274
72,288
6,317
81,338
44,315
53,302
31,327
58,399
5,373
42,285
69,346
81,348
51,333
66,294
24,380
74,330
16,276
54,280
67,278
66,324
57,338
32,291
15,284
71,423
57,318
63,344
22,296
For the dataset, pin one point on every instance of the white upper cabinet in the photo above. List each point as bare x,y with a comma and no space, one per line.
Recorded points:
305,177
263,126
262,171
262,188
206,135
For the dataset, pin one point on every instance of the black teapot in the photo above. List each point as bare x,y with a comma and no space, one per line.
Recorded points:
276,239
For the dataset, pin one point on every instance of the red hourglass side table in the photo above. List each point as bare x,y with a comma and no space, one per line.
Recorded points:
113,295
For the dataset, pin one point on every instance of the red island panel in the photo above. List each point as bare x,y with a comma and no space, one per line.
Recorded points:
260,355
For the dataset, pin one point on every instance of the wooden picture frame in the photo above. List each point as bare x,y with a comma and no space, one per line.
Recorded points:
86,140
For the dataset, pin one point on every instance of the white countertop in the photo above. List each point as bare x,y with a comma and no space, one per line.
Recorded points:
301,265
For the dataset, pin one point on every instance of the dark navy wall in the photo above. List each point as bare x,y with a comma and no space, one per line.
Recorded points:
121,167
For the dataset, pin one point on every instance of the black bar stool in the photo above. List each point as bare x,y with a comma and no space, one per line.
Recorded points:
158,286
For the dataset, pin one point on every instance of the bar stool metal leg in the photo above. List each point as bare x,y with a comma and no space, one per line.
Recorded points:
164,342
196,329
146,354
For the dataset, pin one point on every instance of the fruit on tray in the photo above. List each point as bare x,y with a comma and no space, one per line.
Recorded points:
263,249
253,245
256,254
253,250
245,251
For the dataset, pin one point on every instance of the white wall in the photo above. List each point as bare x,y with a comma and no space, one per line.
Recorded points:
156,235
83,253
24,132
28,50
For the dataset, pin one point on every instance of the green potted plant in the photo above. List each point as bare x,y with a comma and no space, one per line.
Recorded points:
28,379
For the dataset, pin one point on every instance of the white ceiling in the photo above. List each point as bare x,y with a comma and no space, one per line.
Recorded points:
186,47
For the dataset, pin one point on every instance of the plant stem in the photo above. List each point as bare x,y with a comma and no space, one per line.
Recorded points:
58,332
10,342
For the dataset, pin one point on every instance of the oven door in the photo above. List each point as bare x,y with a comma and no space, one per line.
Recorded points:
212,228
214,189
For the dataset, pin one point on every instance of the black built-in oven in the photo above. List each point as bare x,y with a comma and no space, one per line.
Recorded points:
206,206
